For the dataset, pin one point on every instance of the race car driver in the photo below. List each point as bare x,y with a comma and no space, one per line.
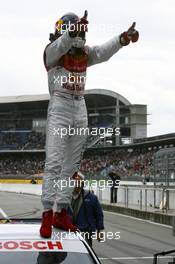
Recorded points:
66,59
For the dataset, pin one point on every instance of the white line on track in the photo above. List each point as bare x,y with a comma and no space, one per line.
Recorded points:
134,258
3,214
138,219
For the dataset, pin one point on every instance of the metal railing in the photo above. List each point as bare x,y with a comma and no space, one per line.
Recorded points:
142,198
163,253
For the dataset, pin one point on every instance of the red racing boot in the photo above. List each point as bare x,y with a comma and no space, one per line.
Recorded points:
62,221
46,226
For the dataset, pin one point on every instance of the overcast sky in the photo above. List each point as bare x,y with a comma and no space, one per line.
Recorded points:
141,72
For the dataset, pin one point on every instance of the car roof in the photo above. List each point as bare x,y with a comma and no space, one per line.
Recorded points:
17,233
31,231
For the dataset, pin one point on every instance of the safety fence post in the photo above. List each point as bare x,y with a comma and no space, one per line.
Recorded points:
146,199
173,225
141,199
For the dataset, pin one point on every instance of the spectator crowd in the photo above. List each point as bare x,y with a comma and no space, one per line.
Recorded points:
25,164
126,162
20,140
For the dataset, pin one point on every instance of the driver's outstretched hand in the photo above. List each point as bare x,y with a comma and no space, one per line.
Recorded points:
130,35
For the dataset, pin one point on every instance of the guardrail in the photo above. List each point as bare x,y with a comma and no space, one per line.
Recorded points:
142,198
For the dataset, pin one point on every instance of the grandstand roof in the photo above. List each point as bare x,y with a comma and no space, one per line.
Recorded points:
108,95
24,98
42,97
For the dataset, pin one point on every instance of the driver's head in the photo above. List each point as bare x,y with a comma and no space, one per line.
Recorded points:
67,21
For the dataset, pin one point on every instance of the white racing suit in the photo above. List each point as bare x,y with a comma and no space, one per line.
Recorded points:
67,109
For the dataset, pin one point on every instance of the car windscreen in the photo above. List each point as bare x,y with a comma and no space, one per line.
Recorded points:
45,258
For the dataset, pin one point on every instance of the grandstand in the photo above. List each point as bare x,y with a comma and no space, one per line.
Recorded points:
164,165
23,119
22,137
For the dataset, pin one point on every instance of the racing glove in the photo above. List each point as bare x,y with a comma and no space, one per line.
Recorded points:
130,35
80,28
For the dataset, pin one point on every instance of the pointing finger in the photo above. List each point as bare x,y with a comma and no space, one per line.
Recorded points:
133,25
132,28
